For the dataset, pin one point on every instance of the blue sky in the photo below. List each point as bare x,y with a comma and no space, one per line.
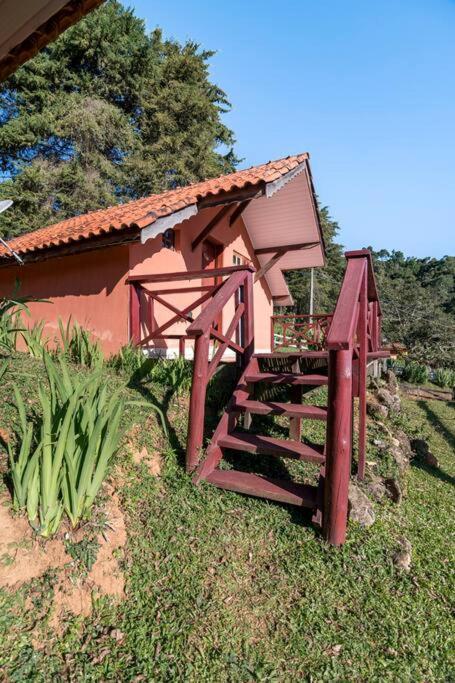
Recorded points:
366,86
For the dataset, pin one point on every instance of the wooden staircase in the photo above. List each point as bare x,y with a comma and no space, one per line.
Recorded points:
228,436
352,341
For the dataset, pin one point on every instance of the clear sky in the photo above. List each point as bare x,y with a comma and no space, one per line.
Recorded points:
366,86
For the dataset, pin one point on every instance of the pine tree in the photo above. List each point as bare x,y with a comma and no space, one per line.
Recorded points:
104,114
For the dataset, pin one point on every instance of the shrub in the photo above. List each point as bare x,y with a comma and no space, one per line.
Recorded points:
415,373
63,456
78,346
130,359
34,340
445,378
176,374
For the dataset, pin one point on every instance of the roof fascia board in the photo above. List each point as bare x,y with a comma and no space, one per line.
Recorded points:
276,185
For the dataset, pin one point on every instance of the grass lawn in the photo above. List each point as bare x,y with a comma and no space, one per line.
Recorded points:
221,587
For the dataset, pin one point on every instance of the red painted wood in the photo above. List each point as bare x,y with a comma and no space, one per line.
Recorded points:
295,395
363,351
293,354
342,328
189,274
282,491
222,348
289,409
205,319
267,445
182,347
205,232
288,378
197,401
226,424
248,319
338,447
135,315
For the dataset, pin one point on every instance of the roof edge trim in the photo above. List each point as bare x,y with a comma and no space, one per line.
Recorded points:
276,185
166,222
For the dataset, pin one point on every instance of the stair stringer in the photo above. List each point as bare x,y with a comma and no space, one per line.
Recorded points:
227,424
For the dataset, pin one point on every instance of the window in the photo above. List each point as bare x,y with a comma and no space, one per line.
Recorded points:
239,260
169,239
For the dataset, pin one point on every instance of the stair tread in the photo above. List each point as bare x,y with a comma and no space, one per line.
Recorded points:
292,354
290,492
287,378
267,445
275,408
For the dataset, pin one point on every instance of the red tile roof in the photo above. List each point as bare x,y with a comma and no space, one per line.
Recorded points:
143,212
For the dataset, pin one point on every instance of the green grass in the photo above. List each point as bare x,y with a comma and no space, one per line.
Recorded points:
222,587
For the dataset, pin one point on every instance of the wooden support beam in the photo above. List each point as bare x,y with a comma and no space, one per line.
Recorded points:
238,211
211,225
270,263
287,247
189,274
232,197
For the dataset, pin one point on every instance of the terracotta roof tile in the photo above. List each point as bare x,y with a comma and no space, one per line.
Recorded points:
145,211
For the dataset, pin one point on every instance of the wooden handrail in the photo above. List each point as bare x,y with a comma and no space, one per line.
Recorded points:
205,319
354,332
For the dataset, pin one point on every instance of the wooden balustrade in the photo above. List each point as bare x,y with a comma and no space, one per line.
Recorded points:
239,288
301,332
354,334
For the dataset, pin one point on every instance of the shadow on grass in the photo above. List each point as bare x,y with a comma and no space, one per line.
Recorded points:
447,435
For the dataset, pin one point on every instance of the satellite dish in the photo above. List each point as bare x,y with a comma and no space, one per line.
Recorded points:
5,205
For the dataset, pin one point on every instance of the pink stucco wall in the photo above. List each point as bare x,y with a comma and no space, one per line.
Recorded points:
90,287
151,258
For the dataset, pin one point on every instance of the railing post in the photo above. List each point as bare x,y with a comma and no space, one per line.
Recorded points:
248,319
363,342
338,446
135,314
197,401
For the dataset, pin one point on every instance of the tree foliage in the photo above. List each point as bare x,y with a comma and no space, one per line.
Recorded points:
104,114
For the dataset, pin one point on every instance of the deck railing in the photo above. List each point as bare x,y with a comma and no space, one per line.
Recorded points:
143,302
354,334
300,332
238,288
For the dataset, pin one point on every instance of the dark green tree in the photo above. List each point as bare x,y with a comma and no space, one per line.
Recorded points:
104,114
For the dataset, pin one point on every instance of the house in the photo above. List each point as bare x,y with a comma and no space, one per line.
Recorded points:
264,216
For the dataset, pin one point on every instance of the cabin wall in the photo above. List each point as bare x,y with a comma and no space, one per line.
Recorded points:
89,287
233,240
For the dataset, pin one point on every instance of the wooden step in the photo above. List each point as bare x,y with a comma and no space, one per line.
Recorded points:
308,412
267,445
280,490
287,378
293,354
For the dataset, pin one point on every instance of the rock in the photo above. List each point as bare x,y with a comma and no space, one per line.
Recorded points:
376,488
393,490
431,460
392,402
400,458
402,558
380,444
420,447
405,443
376,410
392,382
360,507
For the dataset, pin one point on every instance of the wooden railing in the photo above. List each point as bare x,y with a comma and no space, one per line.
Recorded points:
353,338
299,332
143,302
239,288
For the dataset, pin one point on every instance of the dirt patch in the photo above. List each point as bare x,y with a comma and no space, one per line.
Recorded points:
105,578
23,557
